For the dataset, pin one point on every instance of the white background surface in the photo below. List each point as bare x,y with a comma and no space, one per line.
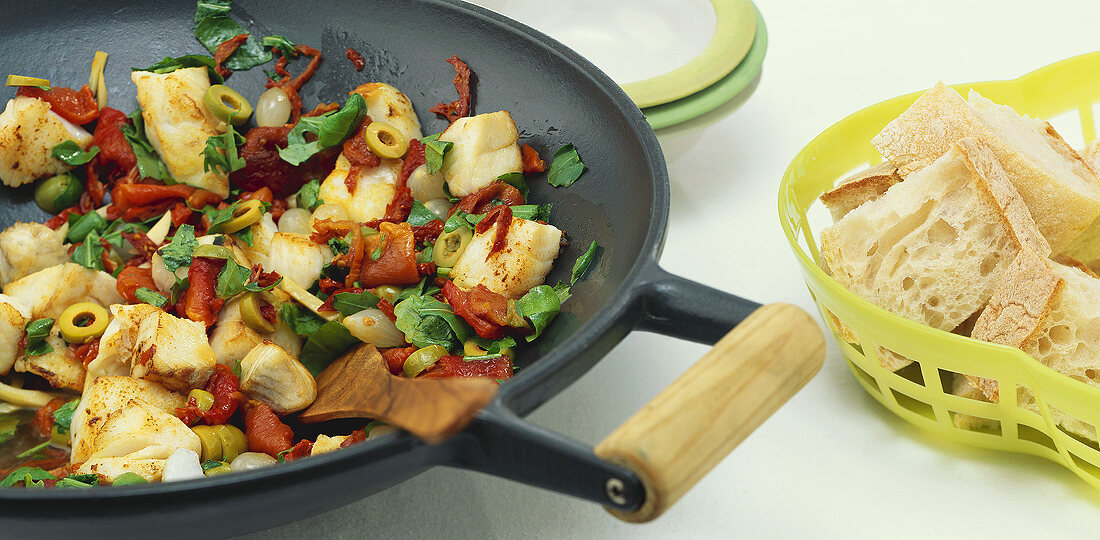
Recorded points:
832,463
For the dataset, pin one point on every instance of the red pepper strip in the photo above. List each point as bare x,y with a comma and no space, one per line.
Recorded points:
129,195
397,263
303,449
484,310
395,358
428,232
43,417
414,157
225,50
76,106
93,188
142,244
532,163
499,368
480,201
181,214
264,431
226,388
460,107
116,157
501,217
86,352
201,302
131,279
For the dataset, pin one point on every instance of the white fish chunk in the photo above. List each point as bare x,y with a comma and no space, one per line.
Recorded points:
106,395
231,338
119,340
271,375
108,469
324,443
177,124
297,258
172,351
527,257
26,248
485,147
50,291
138,426
14,316
374,189
28,132
388,104
59,367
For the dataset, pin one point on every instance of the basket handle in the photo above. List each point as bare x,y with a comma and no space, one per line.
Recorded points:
680,435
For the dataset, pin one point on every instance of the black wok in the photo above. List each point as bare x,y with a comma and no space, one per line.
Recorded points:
556,97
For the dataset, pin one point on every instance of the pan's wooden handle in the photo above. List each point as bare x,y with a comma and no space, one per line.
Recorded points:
679,436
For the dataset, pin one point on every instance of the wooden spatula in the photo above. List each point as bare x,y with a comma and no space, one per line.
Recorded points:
358,385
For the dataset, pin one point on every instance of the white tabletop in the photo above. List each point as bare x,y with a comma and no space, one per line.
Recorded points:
832,463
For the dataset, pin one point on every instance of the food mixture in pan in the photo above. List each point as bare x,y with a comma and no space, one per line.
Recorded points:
210,254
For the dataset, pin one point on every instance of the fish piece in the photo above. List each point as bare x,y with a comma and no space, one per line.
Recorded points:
26,248
522,264
106,395
374,188
271,375
297,258
324,443
137,426
485,147
28,132
231,338
50,291
173,352
60,366
14,316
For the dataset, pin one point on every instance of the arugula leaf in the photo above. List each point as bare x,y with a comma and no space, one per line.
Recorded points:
33,450
22,473
426,321
566,167
434,152
245,235
148,162
540,305
63,416
308,196
227,159
419,215
282,44
327,343
300,320
218,218
89,254
533,212
377,253
210,464
213,26
70,152
232,279
516,180
491,346
178,288
88,223
129,479
237,367
170,64
582,263
350,303
458,219
330,128
149,296
78,481
37,332
178,253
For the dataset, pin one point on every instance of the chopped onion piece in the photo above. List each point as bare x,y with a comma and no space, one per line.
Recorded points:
251,460
374,327
183,464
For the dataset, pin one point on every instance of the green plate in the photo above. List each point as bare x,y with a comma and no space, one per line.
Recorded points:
710,98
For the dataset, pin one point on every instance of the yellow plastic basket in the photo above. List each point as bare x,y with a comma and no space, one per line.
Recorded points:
1065,91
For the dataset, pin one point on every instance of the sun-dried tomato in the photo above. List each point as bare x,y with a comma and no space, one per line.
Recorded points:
226,388
86,352
532,163
264,431
461,106
76,106
43,416
356,59
395,358
225,50
303,449
485,311
414,158
131,279
481,201
499,217
499,368
396,261
429,231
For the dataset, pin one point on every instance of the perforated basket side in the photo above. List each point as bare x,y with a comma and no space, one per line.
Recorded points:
1064,93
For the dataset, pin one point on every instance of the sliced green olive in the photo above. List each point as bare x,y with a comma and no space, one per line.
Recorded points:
471,349
385,140
227,105
59,192
82,322
211,251
423,359
211,443
389,292
449,246
233,441
253,317
247,213
223,468
203,399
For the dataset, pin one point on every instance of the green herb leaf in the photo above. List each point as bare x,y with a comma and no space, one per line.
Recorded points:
178,253
491,346
89,254
170,64
129,479
350,303
237,368
213,27
308,196
71,153
331,129
376,254
78,481
458,219
63,416
149,296
282,44
210,464
540,305
434,152
245,235
218,218
516,180
426,321
22,473
221,152
37,332
533,212
419,215
582,263
32,451
148,162
325,345
178,288
566,167
232,279
88,223
300,320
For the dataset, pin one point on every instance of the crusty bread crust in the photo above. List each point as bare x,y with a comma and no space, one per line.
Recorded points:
866,185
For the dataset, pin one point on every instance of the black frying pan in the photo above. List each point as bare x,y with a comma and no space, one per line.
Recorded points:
556,97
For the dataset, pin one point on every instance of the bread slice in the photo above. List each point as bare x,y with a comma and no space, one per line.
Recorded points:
1059,187
866,185
1049,311
933,248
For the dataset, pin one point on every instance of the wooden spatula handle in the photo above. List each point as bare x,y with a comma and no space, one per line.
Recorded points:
679,436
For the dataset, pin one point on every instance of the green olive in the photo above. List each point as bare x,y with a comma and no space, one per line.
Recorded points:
389,292
449,247
223,468
227,105
253,316
385,141
57,193
212,252
82,322
423,359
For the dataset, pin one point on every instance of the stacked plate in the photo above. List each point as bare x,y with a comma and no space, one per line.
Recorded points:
728,65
